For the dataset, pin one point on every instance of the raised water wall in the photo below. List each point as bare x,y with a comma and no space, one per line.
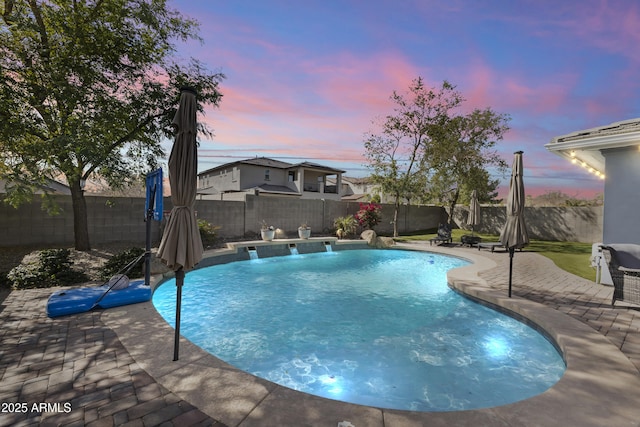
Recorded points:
242,251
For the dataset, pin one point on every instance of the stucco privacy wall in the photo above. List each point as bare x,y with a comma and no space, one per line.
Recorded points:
110,220
122,219
288,214
571,224
118,219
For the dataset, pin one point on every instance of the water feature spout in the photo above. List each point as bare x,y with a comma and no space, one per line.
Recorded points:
253,252
327,246
293,249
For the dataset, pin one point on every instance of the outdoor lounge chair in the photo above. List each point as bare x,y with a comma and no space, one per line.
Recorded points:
443,236
490,245
624,265
493,246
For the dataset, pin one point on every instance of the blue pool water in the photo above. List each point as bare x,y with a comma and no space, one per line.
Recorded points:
374,327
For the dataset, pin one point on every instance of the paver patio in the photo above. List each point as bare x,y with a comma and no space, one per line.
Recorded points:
114,367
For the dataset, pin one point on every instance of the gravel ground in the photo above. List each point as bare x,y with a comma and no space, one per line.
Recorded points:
89,262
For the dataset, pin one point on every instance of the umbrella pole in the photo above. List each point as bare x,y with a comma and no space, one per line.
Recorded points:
179,283
511,251
147,246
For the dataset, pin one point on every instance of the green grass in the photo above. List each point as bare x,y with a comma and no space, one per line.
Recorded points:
573,257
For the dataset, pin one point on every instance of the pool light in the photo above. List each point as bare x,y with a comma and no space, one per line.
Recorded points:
497,348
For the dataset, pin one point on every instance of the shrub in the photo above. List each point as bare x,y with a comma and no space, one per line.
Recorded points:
120,260
5,283
345,226
369,215
52,268
208,232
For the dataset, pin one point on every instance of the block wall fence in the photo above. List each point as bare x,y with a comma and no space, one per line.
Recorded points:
121,219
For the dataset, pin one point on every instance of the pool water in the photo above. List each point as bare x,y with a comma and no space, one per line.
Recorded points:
373,327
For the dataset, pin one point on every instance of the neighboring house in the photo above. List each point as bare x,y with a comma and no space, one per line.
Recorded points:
361,190
611,152
355,189
268,177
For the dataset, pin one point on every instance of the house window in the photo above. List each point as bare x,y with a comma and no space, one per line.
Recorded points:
292,176
266,175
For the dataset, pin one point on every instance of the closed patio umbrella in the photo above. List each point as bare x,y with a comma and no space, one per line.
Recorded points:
474,211
514,234
181,246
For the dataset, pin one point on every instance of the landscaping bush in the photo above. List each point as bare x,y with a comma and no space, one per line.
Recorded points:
208,232
52,267
120,260
4,280
345,226
369,215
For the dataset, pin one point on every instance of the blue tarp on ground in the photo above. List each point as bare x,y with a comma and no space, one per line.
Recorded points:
72,301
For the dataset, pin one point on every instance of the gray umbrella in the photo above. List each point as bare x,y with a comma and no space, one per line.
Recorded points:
474,211
181,246
514,234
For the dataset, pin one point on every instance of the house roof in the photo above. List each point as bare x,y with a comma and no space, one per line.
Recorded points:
279,189
275,164
355,197
363,180
355,181
265,188
316,166
208,190
584,146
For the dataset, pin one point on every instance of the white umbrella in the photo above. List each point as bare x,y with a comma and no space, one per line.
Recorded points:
514,234
181,246
474,211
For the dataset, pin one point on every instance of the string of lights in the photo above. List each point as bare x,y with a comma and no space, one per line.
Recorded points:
586,166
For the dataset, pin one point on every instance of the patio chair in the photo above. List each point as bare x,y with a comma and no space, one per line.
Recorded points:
443,236
623,260
490,245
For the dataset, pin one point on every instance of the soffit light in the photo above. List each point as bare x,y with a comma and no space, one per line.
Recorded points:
585,165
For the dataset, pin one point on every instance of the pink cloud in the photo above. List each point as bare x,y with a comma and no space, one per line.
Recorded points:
326,116
612,26
362,84
509,91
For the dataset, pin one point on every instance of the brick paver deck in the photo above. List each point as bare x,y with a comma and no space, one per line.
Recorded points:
79,367
537,278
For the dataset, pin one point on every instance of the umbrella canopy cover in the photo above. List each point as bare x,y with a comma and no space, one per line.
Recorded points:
514,235
181,245
474,210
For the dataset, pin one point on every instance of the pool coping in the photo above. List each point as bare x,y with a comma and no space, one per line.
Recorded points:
600,386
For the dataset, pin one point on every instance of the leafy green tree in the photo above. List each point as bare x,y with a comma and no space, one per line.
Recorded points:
396,155
461,151
443,188
90,87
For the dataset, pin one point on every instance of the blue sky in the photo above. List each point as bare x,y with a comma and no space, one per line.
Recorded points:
305,79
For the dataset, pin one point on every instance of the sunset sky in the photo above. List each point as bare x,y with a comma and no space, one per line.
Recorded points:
305,79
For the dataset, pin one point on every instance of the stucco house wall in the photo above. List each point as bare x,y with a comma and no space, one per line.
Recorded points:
611,152
228,178
254,176
622,196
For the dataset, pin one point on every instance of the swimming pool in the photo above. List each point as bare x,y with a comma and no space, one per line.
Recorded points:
373,327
